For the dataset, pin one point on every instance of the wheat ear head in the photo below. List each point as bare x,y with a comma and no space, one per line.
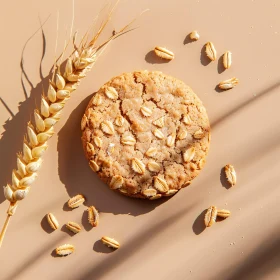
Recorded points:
59,91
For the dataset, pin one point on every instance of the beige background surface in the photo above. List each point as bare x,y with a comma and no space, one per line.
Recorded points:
164,239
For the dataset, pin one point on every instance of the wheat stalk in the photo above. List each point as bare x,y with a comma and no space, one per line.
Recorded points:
60,88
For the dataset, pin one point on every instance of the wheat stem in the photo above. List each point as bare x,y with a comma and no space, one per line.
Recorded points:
4,229
60,89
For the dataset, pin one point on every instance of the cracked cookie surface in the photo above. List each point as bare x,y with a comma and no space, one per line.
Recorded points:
146,134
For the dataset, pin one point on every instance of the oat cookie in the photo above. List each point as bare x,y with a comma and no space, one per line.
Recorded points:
148,137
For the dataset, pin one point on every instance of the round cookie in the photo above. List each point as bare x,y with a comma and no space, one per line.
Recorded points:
146,134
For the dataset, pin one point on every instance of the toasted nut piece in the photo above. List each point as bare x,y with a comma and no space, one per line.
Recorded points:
52,221
210,216
93,216
227,59
194,35
74,227
110,242
164,53
228,84
138,166
76,201
65,250
223,213
210,51
160,184
230,174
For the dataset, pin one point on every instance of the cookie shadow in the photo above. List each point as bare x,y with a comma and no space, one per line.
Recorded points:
76,175
198,225
152,58
99,247
204,59
45,225
223,179
220,65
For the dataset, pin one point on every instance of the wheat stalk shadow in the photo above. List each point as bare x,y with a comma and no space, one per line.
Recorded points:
130,248
259,263
15,127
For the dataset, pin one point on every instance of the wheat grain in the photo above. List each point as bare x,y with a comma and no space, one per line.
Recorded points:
62,84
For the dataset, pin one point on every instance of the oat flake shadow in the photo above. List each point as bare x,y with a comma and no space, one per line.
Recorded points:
219,90
55,255
87,226
99,247
152,58
45,225
203,57
198,225
66,207
66,230
220,65
223,179
77,176
220,219
188,40
130,248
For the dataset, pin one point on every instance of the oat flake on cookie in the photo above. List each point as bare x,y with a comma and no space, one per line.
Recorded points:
159,130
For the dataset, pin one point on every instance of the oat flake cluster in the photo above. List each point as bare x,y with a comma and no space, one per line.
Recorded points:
146,134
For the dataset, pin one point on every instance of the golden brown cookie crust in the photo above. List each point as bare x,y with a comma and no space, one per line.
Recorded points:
146,134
